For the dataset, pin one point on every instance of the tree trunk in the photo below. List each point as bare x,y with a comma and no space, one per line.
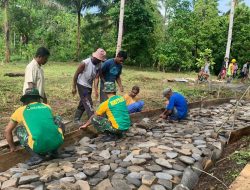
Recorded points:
120,31
230,29
78,34
6,31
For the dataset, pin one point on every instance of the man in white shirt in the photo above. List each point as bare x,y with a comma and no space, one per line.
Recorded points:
87,72
34,75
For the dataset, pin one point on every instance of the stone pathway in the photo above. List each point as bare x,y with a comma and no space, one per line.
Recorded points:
157,156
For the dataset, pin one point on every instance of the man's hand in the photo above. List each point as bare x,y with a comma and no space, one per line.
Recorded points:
83,127
73,91
163,116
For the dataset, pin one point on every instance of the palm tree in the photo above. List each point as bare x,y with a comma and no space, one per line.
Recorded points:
120,30
5,4
230,29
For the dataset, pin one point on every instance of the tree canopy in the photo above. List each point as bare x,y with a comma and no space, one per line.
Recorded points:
167,34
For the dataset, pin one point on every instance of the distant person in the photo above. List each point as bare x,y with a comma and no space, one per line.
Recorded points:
87,72
111,72
38,131
132,103
244,72
235,70
176,108
206,68
230,71
202,75
34,75
112,116
223,71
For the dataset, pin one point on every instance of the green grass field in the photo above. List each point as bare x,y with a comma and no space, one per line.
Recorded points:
58,78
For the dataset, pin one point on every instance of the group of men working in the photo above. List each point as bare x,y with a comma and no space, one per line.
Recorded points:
41,134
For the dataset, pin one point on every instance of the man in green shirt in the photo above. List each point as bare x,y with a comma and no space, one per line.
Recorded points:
38,131
118,119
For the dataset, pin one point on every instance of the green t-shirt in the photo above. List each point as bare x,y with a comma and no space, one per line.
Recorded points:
116,110
43,134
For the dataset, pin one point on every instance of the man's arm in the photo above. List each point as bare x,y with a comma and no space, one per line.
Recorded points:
165,114
79,70
96,82
87,123
119,82
8,134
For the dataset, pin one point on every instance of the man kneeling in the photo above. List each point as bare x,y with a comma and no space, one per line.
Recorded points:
177,107
116,111
37,130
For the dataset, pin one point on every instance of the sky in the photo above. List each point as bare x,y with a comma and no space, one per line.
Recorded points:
224,5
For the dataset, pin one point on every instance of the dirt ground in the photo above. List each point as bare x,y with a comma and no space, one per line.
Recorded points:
225,169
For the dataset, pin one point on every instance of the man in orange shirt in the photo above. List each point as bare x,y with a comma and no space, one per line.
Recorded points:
131,100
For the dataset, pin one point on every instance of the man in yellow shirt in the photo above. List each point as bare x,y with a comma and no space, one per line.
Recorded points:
131,101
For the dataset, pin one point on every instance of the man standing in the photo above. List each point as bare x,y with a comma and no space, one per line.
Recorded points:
132,103
244,72
177,106
111,71
34,77
38,131
117,121
87,71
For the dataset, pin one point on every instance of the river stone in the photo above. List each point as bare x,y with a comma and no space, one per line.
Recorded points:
121,170
125,164
166,183
135,168
17,170
9,183
28,179
148,179
146,156
84,185
158,187
162,175
94,181
173,172
163,162
189,178
197,157
186,159
115,152
105,154
138,161
144,187
84,141
104,185
105,168
171,155
67,180
80,176
135,175
120,185
147,144
133,181
181,187
154,168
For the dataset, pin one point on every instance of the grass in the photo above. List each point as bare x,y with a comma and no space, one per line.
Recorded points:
58,79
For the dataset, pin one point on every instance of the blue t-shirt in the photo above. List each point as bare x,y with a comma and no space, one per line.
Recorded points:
111,70
179,102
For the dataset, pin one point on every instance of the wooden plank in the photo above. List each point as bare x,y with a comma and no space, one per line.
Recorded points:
242,182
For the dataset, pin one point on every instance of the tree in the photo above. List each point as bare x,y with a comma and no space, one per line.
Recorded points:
120,30
230,29
78,6
6,30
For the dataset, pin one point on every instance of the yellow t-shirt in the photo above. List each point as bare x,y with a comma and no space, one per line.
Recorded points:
129,99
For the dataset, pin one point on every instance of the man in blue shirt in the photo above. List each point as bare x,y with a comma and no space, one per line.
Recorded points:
177,107
111,71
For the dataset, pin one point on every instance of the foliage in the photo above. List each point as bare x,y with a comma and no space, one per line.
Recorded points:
172,41
205,57
241,157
